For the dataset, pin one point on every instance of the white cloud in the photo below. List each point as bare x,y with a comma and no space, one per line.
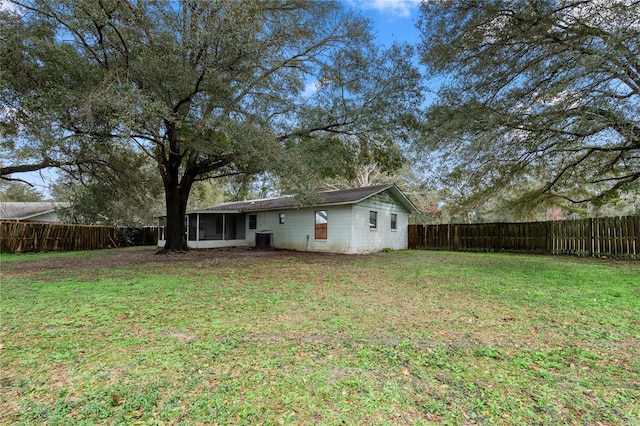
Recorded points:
8,112
5,5
606,14
310,89
401,8
10,7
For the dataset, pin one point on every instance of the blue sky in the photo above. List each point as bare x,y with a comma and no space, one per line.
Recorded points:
393,20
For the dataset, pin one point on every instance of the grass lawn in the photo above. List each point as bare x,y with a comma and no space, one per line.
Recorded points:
413,337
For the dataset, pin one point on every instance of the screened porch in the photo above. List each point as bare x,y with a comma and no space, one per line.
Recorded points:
211,229
215,226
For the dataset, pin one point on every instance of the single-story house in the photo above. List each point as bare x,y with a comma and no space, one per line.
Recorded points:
358,220
32,211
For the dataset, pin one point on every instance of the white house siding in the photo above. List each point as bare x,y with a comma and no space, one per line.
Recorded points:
300,223
366,240
348,228
214,244
261,226
51,217
207,244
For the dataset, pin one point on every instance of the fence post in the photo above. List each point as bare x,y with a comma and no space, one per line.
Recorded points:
591,238
612,237
636,245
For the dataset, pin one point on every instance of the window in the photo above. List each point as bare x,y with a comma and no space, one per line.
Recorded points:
253,221
281,220
373,220
321,225
394,221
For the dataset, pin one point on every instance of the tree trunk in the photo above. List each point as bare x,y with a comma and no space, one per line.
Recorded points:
176,203
176,191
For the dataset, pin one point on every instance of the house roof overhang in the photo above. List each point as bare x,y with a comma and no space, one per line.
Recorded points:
214,211
399,195
19,211
326,199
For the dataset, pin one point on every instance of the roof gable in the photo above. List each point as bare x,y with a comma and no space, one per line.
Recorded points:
325,198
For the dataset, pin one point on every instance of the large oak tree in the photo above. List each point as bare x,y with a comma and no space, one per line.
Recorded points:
205,89
540,100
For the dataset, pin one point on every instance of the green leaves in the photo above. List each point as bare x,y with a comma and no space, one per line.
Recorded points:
205,89
540,97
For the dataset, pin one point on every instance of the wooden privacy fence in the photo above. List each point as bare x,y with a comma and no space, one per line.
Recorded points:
22,237
612,237
145,236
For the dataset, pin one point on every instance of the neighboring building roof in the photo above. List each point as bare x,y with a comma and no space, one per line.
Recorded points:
326,198
18,210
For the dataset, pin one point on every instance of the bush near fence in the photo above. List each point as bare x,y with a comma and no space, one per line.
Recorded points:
145,236
23,237
617,237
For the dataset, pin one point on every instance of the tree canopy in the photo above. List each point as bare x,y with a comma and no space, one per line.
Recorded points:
205,89
16,191
539,100
133,198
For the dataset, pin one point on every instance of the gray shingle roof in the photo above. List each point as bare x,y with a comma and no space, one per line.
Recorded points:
326,198
17,210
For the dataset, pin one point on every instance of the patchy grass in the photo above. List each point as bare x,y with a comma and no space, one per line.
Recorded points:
14,257
395,338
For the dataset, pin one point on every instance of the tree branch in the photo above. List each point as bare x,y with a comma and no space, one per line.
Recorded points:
5,171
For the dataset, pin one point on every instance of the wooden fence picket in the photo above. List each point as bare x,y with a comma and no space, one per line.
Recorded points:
21,237
601,237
